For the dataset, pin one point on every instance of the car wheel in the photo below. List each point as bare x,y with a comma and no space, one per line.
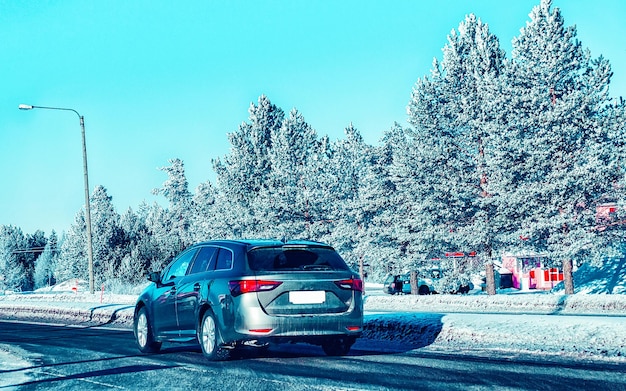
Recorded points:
423,290
143,333
208,335
338,346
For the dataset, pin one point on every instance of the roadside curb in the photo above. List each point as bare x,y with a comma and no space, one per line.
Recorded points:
118,314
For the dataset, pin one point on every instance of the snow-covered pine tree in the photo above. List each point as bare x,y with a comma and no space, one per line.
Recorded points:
136,261
320,180
423,172
34,243
613,230
45,265
159,242
244,173
176,190
445,171
284,201
205,221
472,61
109,239
72,262
563,157
348,166
12,273
149,244
379,204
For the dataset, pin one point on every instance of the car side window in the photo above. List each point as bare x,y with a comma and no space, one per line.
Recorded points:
205,260
224,259
180,265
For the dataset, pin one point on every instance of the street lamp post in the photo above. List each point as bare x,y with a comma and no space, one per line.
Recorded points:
87,207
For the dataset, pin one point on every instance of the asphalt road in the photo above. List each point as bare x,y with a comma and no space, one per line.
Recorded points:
99,358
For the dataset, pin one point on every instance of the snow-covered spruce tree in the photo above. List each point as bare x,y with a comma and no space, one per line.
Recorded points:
140,253
423,213
205,219
244,173
72,261
149,245
612,229
284,201
176,190
159,241
45,265
378,205
34,243
557,142
12,273
131,272
387,226
445,170
348,166
320,180
108,238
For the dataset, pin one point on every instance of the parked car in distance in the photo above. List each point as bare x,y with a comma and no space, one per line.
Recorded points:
426,285
230,293
401,284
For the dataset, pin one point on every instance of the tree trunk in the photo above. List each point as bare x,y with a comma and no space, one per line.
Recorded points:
414,287
361,267
568,277
362,271
490,277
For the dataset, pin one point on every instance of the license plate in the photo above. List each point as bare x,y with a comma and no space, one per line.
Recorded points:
307,297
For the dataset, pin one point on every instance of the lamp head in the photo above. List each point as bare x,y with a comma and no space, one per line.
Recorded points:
25,107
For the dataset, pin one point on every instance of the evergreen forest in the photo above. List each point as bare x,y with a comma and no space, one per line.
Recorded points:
501,154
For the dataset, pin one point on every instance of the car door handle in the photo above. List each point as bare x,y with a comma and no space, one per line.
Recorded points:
196,287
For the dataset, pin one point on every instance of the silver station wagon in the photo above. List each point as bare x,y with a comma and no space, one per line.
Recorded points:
231,293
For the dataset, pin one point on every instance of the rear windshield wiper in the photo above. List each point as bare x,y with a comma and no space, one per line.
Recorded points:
316,267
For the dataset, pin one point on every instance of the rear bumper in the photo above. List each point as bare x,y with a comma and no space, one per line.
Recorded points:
252,323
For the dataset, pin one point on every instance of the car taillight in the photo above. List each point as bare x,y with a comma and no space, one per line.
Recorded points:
261,331
355,284
240,287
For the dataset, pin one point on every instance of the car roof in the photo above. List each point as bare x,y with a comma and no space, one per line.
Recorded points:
250,244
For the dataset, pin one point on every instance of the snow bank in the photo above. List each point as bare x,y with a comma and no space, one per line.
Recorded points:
531,303
586,338
70,307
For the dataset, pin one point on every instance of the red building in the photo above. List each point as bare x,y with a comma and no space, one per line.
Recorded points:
528,272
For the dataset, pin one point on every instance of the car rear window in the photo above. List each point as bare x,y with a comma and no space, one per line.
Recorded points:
295,258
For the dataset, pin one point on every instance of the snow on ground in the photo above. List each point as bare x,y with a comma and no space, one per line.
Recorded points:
12,363
581,326
527,303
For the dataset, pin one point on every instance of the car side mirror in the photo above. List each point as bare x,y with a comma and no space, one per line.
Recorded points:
154,277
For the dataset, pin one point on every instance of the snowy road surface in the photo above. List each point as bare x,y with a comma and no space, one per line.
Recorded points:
104,358
444,321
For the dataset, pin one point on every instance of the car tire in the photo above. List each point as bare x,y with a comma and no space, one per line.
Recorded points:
338,346
208,336
423,290
144,336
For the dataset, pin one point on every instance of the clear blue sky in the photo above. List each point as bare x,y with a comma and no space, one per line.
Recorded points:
157,80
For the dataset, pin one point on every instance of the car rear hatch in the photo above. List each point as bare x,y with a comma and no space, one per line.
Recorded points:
303,280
